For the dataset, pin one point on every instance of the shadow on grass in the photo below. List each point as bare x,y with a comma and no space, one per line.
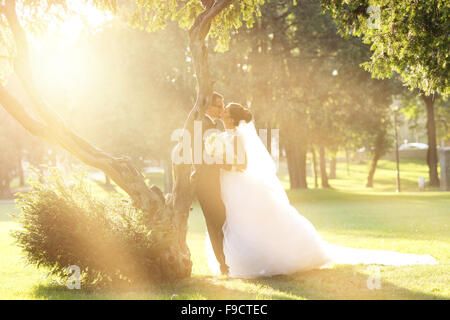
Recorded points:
339,283
342,282
203,287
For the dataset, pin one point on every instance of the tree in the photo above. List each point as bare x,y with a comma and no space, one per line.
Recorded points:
432,158
280,64
408,38
11,151
294,60
434,109
215,18
131,116
331,91
17,145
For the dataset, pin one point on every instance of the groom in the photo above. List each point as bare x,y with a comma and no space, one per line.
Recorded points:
207,177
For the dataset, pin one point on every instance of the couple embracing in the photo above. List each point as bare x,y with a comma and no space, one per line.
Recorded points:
253,230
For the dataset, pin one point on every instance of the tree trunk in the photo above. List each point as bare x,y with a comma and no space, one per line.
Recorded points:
333,166
292,168
174,262
182,193
53,129
432,159
323,168
296,162
376,156
314,165
302,167
269,139
5,190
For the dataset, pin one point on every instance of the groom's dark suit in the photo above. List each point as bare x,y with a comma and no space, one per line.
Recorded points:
208,193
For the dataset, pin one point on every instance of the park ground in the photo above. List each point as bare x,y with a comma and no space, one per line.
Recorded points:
348,215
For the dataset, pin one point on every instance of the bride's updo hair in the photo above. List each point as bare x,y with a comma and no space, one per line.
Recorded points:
238,113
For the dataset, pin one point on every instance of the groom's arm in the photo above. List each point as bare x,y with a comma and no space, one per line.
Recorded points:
207,123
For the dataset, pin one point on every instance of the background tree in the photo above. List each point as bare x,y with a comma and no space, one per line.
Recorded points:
408,38
293,61
131,116
11,154
18,147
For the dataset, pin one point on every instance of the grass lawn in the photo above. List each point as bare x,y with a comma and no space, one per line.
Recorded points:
411,222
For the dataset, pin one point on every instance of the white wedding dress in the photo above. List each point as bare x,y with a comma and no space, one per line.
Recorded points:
264,235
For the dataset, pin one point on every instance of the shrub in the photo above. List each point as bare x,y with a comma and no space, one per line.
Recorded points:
111,242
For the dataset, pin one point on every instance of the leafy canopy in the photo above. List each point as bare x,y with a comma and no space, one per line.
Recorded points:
153,15
149,15
407,37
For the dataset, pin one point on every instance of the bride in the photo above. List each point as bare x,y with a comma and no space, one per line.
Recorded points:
264,235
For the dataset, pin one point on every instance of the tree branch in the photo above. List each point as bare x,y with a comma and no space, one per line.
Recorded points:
174,261
183,190
53,129
197,36
18,112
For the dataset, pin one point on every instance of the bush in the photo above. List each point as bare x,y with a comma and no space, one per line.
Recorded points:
110,241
